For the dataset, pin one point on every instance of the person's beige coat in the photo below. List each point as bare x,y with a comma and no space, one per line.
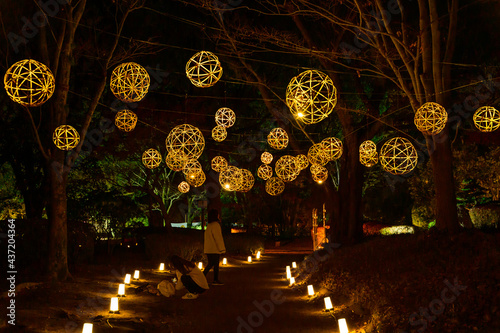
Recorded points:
214,243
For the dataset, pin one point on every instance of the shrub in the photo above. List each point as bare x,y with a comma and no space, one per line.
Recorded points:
186,243
243,243
485,216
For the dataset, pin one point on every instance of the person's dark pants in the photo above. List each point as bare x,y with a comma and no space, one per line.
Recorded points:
190,285
213,261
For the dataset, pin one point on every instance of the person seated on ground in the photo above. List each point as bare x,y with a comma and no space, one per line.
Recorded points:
189,276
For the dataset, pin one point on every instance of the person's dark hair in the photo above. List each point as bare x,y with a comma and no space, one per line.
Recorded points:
213,215
180,264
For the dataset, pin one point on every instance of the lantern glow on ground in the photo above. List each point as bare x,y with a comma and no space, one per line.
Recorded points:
87,328
294,264
328,303
343,326
121,290
288,272
258,255
249,259
113,308
162,266
224,261
127,278
292,280
310,290
136,274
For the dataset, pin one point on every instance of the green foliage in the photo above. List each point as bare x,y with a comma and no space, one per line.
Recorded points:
485,216
421,216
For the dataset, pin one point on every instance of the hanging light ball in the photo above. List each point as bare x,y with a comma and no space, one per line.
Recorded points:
286,168
176,159
29,82
265,171
129,82
196,179
219,133
317,154
266,157
275,186
66,137
278,138
151,158
302,161
230,178
203,69
191,168
225,117
487,119
126,120
219,163
431,118
368,155
398,156
319,173
183,187
332,147
186,138
311,96
247,181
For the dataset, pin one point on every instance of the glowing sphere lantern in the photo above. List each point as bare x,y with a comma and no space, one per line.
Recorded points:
332,148
487,119
277,138
265,171
274,186
431,118
225,117
368,155
151,158
126,120
204,69
317,154
65,137
129,82
186,138
219,163
398,156
183,187
286,168
230,178
219,133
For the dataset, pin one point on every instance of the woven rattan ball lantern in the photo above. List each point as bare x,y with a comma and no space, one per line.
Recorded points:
368,155
265,171
317,154
219,133
176,159
129,82
66,137
230,178
188,139
275,186
29,82
183,187
266,157
126,120
487,119
332,147
204,69
431,118
277,138
286,168
191,168
319,173
311,96
398,156
225,117
196,179
218,163
247,181
302,161
151,158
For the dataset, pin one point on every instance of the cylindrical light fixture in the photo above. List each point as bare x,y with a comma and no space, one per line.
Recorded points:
162,267
343,326
200,265
310,290
249,259
113,308
294,264
292,280
224,261
328,303
121,290
87,328
258,255
127,279
288,272
136,275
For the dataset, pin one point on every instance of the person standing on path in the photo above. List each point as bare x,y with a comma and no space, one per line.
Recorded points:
213,245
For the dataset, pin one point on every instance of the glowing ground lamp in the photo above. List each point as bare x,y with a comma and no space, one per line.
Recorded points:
311,96
29,82
288,272
275,186
186,138
249,259
310,290
136,274
203,69
125,120
176,160
332,147
162,267
294,264
487,119
230,178
113,307
129,82
328,303
319,173
224,261
292,280
65,137
266,157
302,161
183,187
247,181
257,256
218,163
151,158
398,156
87,328
265,171
200,265
277,138
121,290
225,117
219,133
317,154
197,179
127,278
286,168
430,118
343,326
368,155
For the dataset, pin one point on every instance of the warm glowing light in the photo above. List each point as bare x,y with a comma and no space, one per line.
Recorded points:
292,280
162,266
227,186
136,274
249,259
288,272
113,308
310,290
127,279
121,290
294,264
320,182
343,326
258,255
224,261
300,115
87,328
328,303
200,265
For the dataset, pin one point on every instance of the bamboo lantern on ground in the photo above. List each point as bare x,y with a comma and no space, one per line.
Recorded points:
121,290
292,280
302,161
368,155
219,163
398,156
151,158
65,137
247,181
332,148
162,267
294,264
288,272
343,326
310,290
274,186
230,178
126,120
183,187
430,118
129,82
319,173
257,256
127,278
87,328
277,138
328,304
113,308
311,96
188,139
176,160
196,179
29,83
317,155
203,69
225,117
136,274
266,157
286,168
249,259
224,261
200,265
265,171
219,133
487,119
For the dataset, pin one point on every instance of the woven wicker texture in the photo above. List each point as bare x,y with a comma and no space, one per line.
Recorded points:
302,161
487,119
188,139
266,157
176,159
125,120
29,82
219,163
277,138
265,172
286,168
65,137
219,133
247,181
398,156
368,155
204,69
275,186
151,158
191,168
129,82
431,118
230,178
317,154
183,187
319,173
225,117
332,147
196,179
